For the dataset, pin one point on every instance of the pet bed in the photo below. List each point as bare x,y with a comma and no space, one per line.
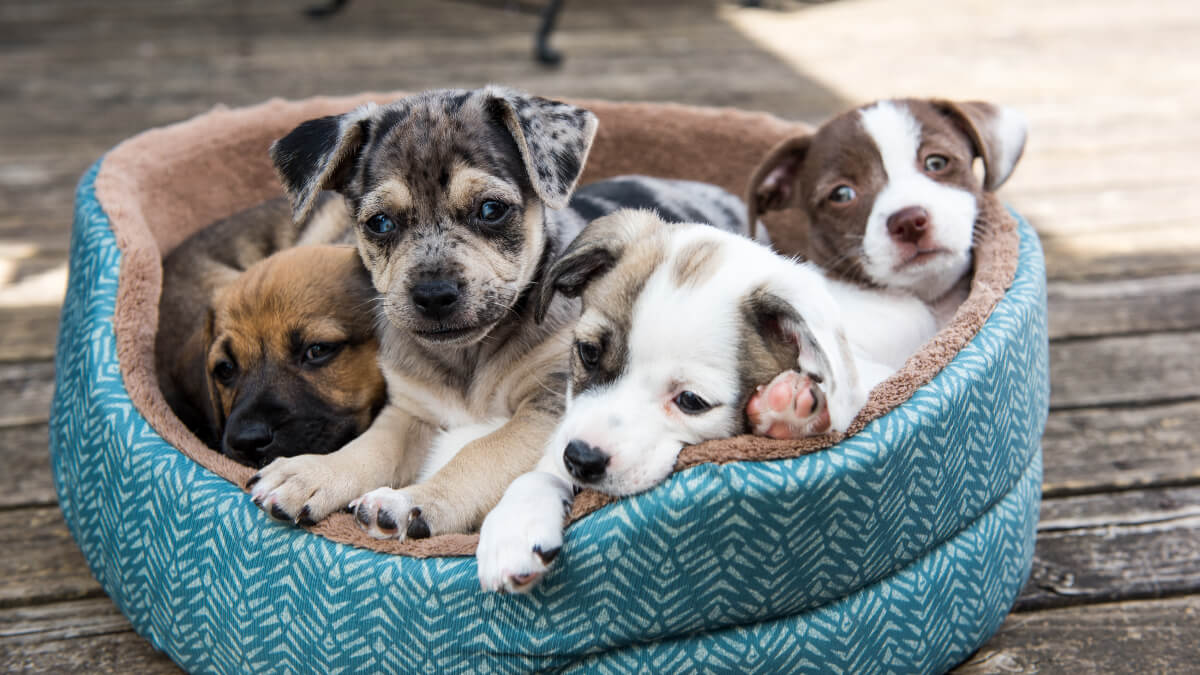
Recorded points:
900,548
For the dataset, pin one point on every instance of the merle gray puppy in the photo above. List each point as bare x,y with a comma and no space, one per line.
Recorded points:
459,201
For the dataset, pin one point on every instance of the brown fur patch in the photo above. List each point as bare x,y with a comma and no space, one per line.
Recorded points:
695,262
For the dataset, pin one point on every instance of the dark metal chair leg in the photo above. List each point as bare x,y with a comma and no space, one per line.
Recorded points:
543,52
322,11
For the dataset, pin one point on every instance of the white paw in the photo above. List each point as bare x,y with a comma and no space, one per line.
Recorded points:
523,535
790,406
387,513
302,489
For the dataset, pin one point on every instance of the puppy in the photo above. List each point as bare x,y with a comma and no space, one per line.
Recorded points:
459,202
890,194
680,323
197,270
292,358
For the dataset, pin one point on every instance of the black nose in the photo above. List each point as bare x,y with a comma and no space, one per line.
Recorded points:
584,462
908,225
249,439
435,299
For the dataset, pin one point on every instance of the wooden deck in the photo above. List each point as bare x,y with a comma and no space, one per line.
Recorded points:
1109,179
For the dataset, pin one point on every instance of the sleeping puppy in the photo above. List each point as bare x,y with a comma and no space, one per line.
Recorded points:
197,270
680,324
459,202
890,194
292,357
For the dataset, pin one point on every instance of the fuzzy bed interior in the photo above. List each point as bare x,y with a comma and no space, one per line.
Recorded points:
159,187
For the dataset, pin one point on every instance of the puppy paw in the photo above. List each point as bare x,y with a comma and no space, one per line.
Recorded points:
387,513
523,535
301,490
790,406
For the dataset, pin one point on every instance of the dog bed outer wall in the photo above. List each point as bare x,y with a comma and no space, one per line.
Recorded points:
899,549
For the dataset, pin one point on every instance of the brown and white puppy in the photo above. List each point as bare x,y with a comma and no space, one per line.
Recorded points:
680,324
460,203
197,270
292,357
889,191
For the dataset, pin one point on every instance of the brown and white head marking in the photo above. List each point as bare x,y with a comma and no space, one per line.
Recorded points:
889,189
449,190
679,324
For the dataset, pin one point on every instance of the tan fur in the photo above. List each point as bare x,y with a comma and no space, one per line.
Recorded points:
695,262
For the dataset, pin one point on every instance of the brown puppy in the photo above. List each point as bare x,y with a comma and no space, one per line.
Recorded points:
889,192
292,357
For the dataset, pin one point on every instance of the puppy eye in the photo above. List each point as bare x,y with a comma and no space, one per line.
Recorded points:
589,354
842,194
691,403
380,225
492,211
936,163
320,353
224,372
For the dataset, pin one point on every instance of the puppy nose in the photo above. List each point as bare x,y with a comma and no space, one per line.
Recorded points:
584,462
435,299
250,438
908,225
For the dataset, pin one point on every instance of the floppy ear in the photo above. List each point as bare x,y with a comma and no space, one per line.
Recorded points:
319,155
998,133
216,413
787,334
592,254
773,183
554,139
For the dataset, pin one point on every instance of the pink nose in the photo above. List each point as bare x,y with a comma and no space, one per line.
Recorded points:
908,225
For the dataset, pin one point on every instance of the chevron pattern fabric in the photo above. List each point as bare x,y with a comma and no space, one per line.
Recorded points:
899,550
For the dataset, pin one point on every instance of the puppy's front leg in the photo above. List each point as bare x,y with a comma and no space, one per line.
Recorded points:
306,488
459,495
523,535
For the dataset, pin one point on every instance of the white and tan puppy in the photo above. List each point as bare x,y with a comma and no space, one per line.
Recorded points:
680,325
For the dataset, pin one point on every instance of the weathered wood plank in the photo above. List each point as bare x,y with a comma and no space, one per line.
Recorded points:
25,392
29,333
1117,449
1115,371
39,561
1121,638
25,454
84,636
1113,307
1132,545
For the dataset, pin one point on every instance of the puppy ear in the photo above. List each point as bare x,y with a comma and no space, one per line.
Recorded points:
216,412
554,139
773,184
319,155
786,333
998,133
592,254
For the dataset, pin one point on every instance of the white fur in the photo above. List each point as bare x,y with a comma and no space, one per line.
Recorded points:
447,444
685,339
952,210
1011,127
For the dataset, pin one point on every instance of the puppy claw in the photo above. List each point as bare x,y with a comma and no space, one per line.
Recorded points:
387,513
417,527
278,513
299,485
253,479
305,518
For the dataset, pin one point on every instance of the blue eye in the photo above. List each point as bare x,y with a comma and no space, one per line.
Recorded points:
691,403
936,163
380,225
842,194
492,211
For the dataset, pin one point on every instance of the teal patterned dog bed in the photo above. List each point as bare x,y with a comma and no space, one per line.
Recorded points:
900,549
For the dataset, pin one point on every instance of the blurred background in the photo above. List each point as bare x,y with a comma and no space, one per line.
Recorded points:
1108,179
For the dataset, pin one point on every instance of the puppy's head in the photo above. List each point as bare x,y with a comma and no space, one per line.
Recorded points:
291,360
889,190
449,190
679,324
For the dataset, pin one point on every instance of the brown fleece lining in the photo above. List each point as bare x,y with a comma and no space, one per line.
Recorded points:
164,184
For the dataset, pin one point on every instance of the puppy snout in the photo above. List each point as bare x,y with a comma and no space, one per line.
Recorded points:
249,439
909,224
435,299
584,462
